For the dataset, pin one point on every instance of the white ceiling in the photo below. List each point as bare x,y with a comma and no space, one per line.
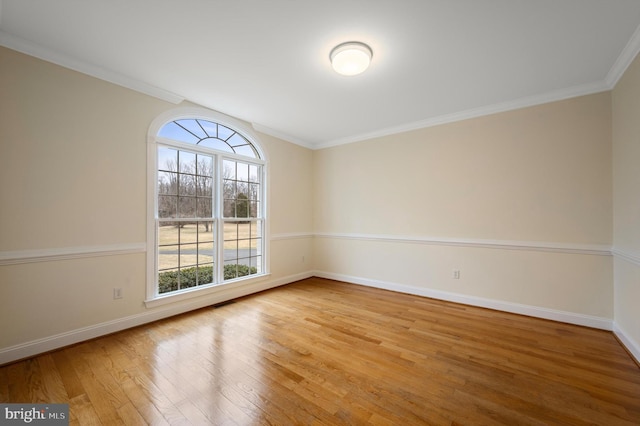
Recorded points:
266,61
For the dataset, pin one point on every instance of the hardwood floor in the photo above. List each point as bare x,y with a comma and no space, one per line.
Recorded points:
321,352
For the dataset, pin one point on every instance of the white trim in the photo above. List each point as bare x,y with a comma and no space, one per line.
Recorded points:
615,73
627,256
571,248
192,293
499,305
280,135
631,345
625,59
67,253
553,96
21,45
38,346
292,236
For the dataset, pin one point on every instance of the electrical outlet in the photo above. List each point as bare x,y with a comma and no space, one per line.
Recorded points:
456,274
117,293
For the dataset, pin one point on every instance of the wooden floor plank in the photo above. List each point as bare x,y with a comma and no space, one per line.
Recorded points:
322,352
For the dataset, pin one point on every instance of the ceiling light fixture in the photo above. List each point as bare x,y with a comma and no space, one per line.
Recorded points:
350,58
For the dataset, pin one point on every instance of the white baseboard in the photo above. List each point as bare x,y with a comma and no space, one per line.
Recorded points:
46,344
35,347
632,346
516,308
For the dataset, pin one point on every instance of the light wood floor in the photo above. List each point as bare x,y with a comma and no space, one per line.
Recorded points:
322,352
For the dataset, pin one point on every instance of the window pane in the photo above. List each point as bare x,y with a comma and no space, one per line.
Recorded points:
242,173
230,270
254,191
229,169
229,208
175,132
230,231
256,229
224,132
209,127
205,165
188,255
208,134
205,274
245,150
186,185
256,265
229,189
192,127
187,206
204,186
242,248
187,162
230,250
253,174
205,253
168,281
167,159
167,206
236,140
205,231
167,234
167,183
188,233
204,207
168,257
242,205
218,144
253,209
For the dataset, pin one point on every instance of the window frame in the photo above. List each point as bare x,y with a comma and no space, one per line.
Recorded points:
153,297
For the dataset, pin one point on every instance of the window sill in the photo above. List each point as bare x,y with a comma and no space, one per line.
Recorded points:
216,289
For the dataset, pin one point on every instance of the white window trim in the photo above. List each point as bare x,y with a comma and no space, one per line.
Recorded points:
154,299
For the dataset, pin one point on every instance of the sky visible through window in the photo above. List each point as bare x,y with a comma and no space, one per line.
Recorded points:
208,134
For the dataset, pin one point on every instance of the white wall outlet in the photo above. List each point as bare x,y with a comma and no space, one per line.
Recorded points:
455,274
117,293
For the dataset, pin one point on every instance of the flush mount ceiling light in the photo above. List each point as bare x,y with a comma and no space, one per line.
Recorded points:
350,58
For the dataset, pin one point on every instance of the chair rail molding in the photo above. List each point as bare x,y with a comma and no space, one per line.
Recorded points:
66,253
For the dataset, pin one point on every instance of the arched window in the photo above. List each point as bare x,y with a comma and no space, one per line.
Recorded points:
208,204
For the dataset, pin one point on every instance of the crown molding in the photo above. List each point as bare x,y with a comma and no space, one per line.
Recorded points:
32,49
280,135
623,61
528,101
625,58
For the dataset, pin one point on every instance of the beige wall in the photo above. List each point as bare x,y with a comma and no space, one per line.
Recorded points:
534,174
539,176
626,203
289,204
520,202
73,173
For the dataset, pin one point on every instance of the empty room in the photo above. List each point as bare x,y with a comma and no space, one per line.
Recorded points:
320,213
